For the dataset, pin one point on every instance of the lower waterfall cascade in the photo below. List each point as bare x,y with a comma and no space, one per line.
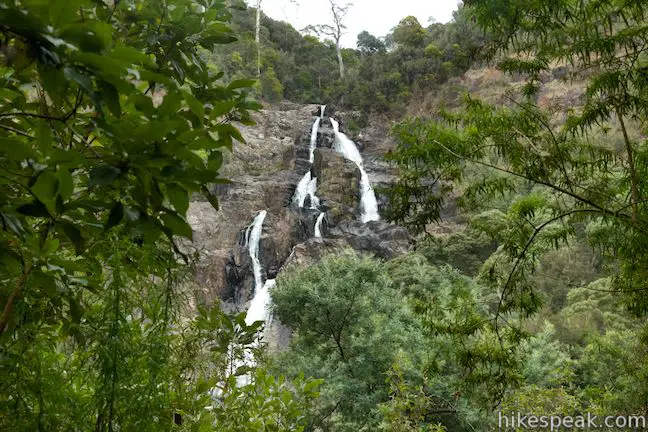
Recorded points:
318,225
259,309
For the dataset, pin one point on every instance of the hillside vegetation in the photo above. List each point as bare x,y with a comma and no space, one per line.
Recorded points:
529,116
382,74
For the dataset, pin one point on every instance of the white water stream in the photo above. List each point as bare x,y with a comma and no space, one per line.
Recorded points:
318,225
307,186
259,309
253,239
348,149
313,139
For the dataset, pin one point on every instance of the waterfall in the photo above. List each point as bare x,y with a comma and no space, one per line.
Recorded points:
348,149
313,139
259,309
253,239
307,186
322,110
318,225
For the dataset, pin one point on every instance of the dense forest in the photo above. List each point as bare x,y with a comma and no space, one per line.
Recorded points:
114,115
381,74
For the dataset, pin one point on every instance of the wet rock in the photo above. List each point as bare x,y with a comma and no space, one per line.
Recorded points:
215,278
380,238
325,135
281,233
310,253
264,173
338,185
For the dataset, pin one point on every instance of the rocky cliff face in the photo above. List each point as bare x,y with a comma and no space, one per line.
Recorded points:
264,172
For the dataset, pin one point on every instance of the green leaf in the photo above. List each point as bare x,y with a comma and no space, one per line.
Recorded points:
243,370
43,136
76,312
82,79
46,187
103,175
74,234
111,97
85,37
66,183
16,149
242,83
178,197
54,83
177,224
115,216
251,105
35,209
213,200
129,54
229,130
195,105
215,160
221,108
50,246
63,12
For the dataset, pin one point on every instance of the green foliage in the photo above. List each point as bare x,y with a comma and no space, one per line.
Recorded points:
375,79
369,44
425,328
348,330
408,405
465,250
110,119
271,88
409,32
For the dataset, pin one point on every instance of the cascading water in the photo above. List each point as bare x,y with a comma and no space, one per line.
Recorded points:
259,309
318,225
322,110
348,149
307,186
254,237
313,139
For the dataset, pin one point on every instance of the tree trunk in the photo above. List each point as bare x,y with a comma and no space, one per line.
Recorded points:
339,56
257,37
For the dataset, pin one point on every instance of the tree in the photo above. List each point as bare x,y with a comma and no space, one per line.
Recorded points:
409,32
257,36
348,330
425,328
566,175
111,120
369,44
336,31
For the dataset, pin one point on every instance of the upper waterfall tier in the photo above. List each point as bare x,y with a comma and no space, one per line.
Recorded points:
348,149
313,139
